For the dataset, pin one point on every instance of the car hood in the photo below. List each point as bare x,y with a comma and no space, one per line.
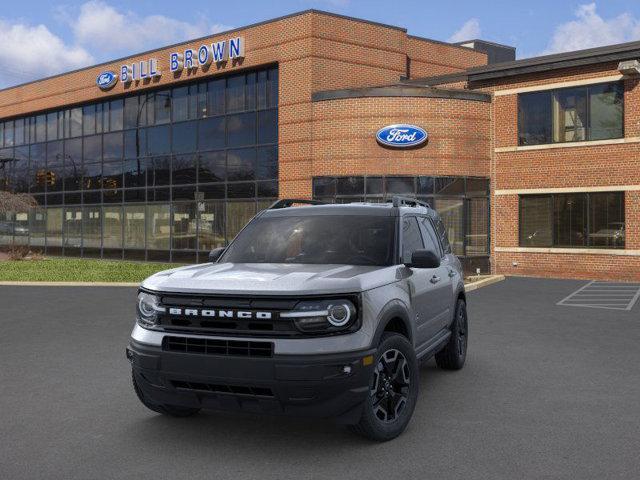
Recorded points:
271,279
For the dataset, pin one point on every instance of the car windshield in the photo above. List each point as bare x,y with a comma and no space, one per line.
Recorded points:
317,239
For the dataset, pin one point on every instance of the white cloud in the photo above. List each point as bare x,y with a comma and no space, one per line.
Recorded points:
469,31
104,29
28,52
591,30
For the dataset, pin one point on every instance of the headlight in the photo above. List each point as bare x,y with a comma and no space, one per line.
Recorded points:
148,309
323,316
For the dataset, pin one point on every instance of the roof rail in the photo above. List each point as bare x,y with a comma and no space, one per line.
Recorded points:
398,201
288,202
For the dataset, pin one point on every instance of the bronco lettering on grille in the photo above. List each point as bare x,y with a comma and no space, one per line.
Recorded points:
240,314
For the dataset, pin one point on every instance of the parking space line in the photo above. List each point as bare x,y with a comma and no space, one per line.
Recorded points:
613,296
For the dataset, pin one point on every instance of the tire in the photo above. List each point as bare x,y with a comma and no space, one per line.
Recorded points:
393,390
170,410
454,354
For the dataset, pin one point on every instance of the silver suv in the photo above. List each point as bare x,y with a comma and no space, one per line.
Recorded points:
321,310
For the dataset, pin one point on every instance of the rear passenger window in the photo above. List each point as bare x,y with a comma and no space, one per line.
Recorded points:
442,235
429,236
411,238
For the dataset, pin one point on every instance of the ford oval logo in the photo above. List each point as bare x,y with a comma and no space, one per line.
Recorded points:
106,80
401,136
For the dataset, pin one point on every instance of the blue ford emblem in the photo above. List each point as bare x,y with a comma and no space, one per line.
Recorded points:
106,80
401,136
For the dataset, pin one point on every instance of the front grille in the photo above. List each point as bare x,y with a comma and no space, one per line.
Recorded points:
208,346
229,389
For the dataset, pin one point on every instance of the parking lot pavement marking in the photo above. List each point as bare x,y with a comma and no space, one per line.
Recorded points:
612,296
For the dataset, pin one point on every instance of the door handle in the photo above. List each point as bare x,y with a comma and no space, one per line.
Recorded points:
435,279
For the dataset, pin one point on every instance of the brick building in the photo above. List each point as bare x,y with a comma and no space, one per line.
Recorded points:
166,154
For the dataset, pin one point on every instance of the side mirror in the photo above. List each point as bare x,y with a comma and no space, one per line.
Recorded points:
424,259
215,254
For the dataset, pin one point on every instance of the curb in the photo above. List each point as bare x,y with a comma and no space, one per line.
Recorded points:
484,282
69,284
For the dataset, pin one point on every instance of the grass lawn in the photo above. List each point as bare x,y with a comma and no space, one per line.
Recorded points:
78,270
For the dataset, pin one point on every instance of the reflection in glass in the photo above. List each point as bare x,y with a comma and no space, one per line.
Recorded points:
158,227
184,226
112,236
134,226
211,226
92,227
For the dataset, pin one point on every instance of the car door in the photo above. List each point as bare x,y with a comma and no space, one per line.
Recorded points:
443,275
422,287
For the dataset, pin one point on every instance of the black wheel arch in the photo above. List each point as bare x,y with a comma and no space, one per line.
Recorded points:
394,317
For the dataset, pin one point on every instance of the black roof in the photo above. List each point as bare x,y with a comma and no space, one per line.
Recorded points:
590,56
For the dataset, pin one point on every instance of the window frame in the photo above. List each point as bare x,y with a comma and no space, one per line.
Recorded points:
552,93
553,236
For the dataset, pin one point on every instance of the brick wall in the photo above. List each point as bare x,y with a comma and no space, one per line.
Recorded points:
581,167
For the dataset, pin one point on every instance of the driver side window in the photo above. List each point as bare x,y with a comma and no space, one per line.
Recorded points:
411,238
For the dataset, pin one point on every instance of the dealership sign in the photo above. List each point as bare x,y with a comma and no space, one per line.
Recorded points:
106,80
189,59
401,136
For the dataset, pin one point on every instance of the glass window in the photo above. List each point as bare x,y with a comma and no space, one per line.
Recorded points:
606,220
158,140
21,169
75,122
411,238
92,227
162,107
41,129
6,228
268,126
241,164
272,88
180,103
570,218
54,227
102,117
452,214
241,190
134,226
261,89
235,93
92,149
536,217
92,176
570,115
350,186
324,187
160,173
37,226
135,143
425,185
268,189
374,186
72,227
131,112
8,134
158,227
267,168
52,126
449,185
238,214
112,145
250,91
135,173
183,169
111,175
606,106
429,236
184,137
19,131
211,133
592,112
184,226
477,186
216,97
241,129
477,233
211,226
400,185
201,103
89,120
116,115
112,236
212,167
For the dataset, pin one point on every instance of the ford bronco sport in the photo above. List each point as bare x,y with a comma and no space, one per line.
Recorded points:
321,310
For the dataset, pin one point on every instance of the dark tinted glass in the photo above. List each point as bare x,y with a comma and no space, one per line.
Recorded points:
184,137
215,97
350,186
570,218
112,174
241,190
212,167
241,129
374,185
211,133
324,187
241,164
267,168
161,171
92,149
411,238
184,169
158,140
235,93
318,239
400,185
425,185
607,220
606,111
112,145
534,118
116,108
135,173
131,112
268,126
536,221
449,185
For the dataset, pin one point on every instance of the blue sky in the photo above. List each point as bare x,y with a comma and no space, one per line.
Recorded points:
43,37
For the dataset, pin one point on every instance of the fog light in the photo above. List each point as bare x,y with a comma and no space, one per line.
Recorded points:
346,369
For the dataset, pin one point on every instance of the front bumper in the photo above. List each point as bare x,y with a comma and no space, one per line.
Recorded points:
327,386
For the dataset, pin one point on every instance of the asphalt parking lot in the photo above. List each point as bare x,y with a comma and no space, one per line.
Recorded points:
548,392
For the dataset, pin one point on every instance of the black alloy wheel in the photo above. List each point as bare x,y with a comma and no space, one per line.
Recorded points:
391,383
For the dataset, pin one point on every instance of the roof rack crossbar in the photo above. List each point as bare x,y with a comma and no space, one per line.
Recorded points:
288,202
399,201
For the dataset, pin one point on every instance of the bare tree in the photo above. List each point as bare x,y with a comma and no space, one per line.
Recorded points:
16,202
